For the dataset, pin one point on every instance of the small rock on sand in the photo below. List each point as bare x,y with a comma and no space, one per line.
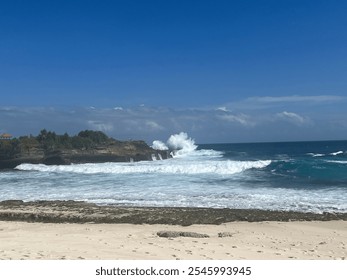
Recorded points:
225,234
173,234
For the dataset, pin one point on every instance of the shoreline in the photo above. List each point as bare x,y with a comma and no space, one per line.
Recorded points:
82,212
58,230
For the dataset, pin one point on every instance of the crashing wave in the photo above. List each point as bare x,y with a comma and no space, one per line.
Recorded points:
186,167
179,144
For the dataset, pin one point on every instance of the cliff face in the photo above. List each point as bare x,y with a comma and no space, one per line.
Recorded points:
113,152
109,150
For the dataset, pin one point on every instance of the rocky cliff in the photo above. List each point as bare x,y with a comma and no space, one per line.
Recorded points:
87,147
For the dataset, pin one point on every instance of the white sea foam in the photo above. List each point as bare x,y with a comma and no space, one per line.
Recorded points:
206,153
336,153
157,167
322,155
167,190
337,161
315,155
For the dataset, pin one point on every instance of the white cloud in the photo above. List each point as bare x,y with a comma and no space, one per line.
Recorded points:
100,126
240,118
293,118
205,125
276,103
296,98
153,125
223,109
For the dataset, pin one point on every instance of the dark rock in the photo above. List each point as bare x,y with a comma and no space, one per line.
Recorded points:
168,234
12,202
174,234
225,234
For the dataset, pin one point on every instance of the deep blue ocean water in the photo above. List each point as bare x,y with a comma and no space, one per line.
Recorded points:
301,176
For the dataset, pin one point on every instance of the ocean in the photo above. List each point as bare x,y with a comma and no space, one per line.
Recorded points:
299,176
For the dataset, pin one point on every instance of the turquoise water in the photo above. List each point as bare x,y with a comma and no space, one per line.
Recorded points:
294,164
301,176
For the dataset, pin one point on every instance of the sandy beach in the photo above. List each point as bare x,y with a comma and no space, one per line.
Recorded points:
313,240
77,230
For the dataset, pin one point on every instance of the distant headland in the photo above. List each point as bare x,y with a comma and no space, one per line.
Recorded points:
87,146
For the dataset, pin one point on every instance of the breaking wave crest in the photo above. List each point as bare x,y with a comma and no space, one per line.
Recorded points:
323,155
336,153
159,167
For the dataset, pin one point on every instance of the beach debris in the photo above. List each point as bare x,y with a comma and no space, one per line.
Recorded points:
225,234
174,234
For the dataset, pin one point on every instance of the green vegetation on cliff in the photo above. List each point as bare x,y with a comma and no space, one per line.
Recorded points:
86,147
84,140
8,148
50,141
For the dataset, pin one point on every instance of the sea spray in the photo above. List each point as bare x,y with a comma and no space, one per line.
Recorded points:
179,144
158,145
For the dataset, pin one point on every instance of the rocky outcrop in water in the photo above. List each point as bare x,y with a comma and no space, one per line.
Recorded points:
86,147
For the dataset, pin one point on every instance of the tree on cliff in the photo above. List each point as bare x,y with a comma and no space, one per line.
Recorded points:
9,148
84,140
28,143
49,141
42,136
97,137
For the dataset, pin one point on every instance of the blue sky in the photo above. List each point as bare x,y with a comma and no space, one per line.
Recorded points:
222,71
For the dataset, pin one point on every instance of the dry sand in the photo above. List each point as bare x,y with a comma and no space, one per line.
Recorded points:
260,240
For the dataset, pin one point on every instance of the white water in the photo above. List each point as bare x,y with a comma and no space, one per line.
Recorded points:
171,166
322,155
337,153
187,160
180,144
316,155
192,178
337,161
